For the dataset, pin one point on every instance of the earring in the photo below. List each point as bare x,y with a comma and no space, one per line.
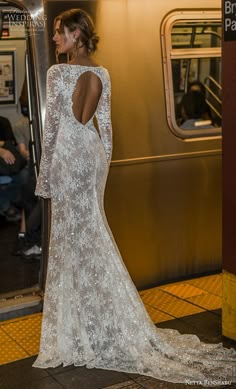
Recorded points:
74,40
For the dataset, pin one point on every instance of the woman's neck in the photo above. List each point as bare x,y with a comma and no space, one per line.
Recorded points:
79,54
82,58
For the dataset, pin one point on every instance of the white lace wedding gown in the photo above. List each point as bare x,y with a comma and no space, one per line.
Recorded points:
93,314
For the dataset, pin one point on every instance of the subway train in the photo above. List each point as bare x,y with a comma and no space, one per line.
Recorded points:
163,195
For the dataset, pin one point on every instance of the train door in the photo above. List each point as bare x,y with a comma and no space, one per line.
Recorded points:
26,46
21,266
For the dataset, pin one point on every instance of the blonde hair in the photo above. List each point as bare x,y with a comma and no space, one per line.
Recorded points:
77,18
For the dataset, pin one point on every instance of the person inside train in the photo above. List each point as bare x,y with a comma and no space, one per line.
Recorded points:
12,172
197,86
194,111
93,314
28,242
6,134
22,135
21,127
194,86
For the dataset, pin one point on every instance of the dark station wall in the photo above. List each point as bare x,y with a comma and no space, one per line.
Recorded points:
229,135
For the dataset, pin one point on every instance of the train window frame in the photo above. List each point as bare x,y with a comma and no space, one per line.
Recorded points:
169,53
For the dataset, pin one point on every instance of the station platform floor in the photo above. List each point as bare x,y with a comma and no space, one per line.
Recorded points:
190,306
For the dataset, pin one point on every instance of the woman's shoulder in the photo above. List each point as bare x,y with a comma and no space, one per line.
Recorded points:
58,71
105,72
54,70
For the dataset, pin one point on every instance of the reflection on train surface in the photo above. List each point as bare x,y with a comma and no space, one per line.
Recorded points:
163,197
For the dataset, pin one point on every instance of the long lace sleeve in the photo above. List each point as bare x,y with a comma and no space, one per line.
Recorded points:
103,116
53,108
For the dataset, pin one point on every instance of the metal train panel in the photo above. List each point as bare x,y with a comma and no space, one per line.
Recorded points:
163,197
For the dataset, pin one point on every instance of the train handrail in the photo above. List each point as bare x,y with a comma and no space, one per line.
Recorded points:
208,80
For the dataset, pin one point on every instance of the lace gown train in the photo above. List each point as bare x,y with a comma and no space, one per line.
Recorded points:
93,314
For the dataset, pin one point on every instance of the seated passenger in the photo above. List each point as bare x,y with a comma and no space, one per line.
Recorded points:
6,135
22,135
194,111
197,86
194,86
28,242
21,128
11,170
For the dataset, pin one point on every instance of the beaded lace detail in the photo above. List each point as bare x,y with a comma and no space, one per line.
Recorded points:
93,314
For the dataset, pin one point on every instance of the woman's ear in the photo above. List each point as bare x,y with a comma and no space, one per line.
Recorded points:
76,33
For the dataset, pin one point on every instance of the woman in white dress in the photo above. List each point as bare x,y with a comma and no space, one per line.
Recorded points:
93,314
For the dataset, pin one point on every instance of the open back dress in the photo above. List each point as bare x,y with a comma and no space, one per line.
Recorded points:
93,314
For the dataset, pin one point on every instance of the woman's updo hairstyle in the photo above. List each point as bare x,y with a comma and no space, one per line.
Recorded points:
77,18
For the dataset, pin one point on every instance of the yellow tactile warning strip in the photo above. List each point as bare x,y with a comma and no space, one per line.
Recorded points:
180,308
19,338
158,316
4,337
24,328
211,284
207,301
155,297
183,290
31,345
11,351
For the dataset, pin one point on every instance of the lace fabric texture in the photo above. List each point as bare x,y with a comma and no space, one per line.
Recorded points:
93,314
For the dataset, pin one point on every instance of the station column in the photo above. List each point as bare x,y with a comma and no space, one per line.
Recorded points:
229,168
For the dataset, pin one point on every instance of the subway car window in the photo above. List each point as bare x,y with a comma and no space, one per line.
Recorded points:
192,67
196,34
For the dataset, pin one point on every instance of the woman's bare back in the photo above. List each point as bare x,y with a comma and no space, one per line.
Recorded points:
86,96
